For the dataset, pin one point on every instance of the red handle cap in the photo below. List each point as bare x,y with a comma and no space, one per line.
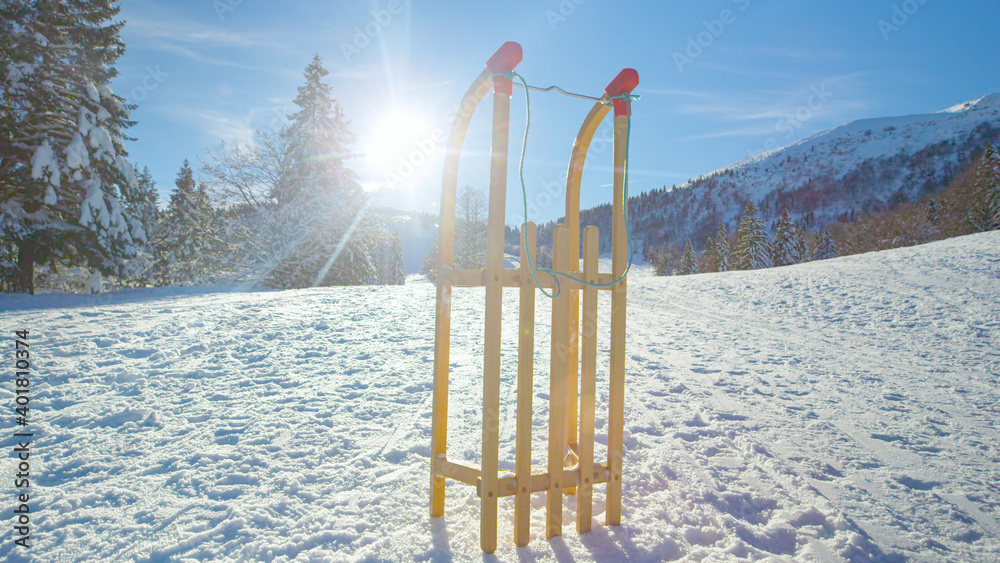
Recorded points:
624,83
503,61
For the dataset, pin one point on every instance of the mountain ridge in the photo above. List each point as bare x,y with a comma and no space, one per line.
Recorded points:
863,166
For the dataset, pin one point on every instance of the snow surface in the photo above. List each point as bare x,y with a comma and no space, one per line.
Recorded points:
844,409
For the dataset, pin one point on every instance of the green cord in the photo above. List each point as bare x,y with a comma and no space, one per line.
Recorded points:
524,197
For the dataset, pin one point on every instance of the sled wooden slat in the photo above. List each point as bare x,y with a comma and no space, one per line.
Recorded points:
525,390
588,381
494,315
539,482
558,398
463,472
616,395
475,277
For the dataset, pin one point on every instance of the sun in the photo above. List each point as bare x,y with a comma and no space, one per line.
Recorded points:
400,139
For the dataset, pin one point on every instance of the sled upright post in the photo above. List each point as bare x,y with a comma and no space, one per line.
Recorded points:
571,467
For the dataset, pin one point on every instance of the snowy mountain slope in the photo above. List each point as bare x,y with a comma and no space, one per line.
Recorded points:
840,150
836,410
862,166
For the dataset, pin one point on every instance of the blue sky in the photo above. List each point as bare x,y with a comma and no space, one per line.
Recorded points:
719,79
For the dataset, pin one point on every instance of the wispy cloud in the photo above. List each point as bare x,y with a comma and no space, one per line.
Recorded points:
676,92
199,57
773,54
839,95
750,131
189,32
165,27
218,125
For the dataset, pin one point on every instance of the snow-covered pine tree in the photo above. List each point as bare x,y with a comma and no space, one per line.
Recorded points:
397,261
984,211
721,248
801,247
429,265
753,251
214,243
142,206
786,250
188,239
707,261
689,261
63,167
143,201
325,234
825,248
175,245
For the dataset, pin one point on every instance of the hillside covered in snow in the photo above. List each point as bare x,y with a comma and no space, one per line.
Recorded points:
865,166
837,410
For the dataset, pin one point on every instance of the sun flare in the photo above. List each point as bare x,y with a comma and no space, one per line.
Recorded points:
396,137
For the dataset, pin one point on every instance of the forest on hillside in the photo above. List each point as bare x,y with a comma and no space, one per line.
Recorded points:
970,203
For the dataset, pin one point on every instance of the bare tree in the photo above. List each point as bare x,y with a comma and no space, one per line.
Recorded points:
249,174
471,210
470,230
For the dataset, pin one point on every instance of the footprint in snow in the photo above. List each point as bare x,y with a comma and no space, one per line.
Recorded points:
916,484
889,438
696,421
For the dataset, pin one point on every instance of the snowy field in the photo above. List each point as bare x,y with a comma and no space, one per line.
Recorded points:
841,410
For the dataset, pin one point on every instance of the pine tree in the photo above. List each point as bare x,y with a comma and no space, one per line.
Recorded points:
722,249
825,248
801,248
984,213
141,203
190,240
753,251
787,235
325,235
429,265
689,261
213,243
63,167
707,262
397,261
179,237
